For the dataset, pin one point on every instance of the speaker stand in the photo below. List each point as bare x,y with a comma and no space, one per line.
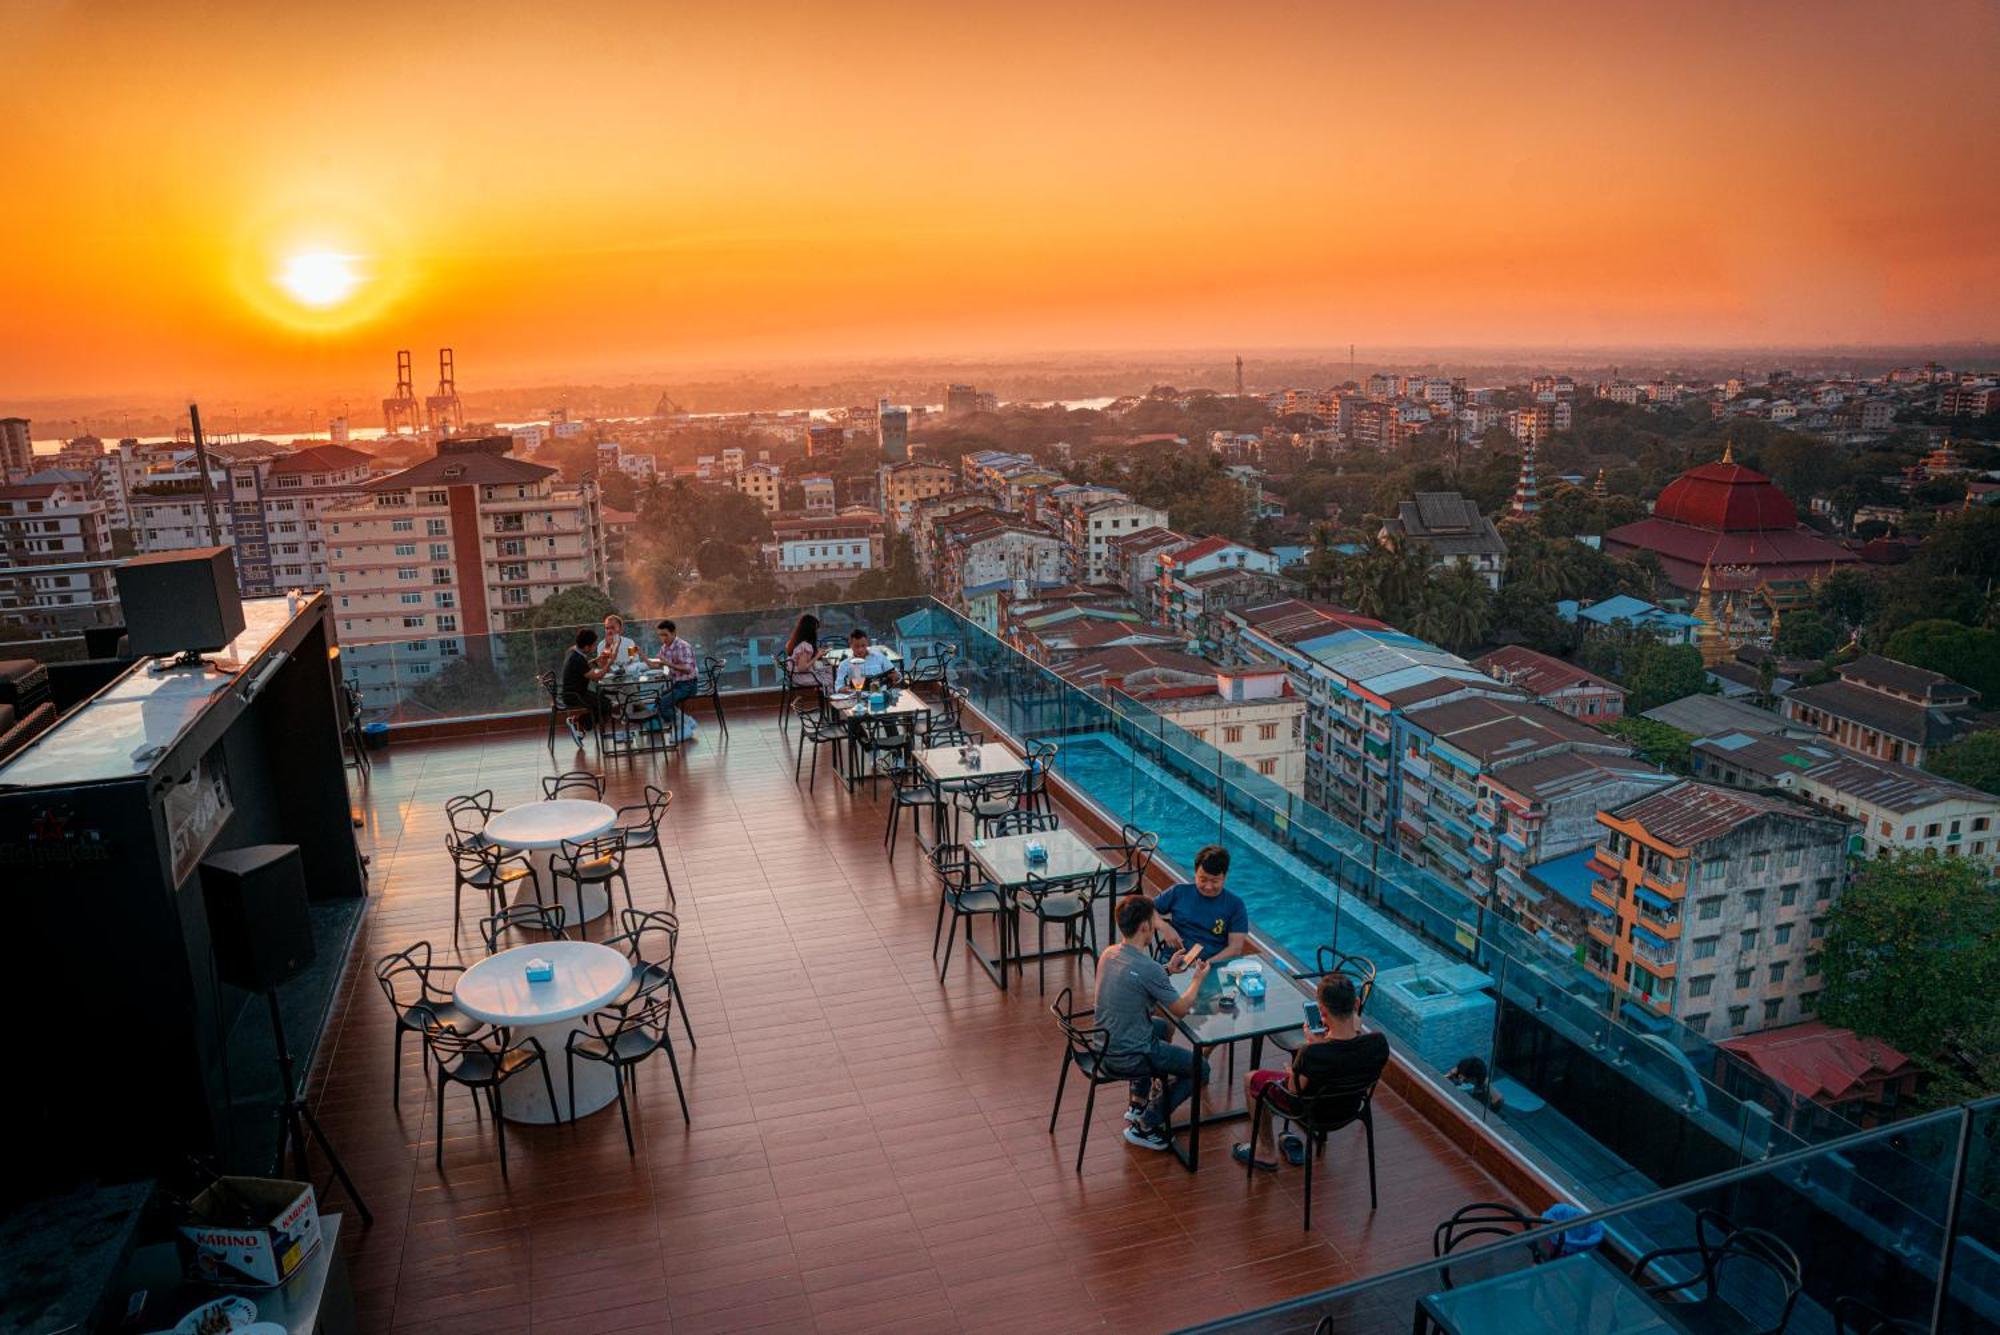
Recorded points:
296,1121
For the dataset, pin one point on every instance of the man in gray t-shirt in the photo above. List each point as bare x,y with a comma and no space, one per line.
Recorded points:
1130,983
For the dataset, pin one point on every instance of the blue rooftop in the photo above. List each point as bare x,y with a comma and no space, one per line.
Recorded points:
1567,876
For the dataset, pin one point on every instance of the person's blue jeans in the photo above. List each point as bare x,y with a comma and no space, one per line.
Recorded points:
671,699
1175,1066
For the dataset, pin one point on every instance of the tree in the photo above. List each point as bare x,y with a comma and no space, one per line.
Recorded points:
1805,634
584,605
1666,672
896,578
1974,761
1912,957
1660,743
1966,654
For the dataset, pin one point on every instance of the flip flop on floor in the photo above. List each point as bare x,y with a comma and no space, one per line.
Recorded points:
1241,1154
1293,1148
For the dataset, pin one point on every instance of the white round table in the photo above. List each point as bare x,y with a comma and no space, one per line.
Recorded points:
588,978
539,828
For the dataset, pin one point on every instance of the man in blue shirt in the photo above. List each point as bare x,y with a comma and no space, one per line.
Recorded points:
1202,913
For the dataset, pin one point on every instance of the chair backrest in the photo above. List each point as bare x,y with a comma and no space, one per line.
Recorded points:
403,974
953,865
451,1048
1482,1219
1330,1104
649,812
1020,822
547,681
572,781
648,936
603,848
469,814
1089,1045
548,919
711,674
1357,967
1751,1269
1085,885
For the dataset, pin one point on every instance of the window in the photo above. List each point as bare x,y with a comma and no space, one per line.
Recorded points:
406,549
1793,855
1267,732
1772,1007
1783,934
1753,901
1822,889
1698,1023
1931,830
406,572
1744,978
1708,908
445,598
440,574
1818,929
1698,987
1200,734
401,525
1749,941
1267,767
447,622
1808,1002
434,528
1812,966
440,551
1713,871
1778,971
1757,861
410,599
413,623
1704,947
1979,823
1232,732
1738,1016
1788,896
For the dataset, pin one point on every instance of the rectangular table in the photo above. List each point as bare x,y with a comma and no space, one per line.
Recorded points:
1583,1292
1207,1026
1005,862
948,769
902,704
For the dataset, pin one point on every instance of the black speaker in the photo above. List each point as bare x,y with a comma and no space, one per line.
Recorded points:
179,601
258,925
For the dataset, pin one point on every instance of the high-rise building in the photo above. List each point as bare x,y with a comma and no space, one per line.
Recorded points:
892,431
960,400
17,448
53,519
464,543
824,440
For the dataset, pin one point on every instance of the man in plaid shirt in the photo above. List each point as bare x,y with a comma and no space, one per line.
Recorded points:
677,657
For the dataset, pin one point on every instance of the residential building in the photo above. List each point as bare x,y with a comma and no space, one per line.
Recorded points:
825,440
1861,1081
820,495
465,543
805,551
53,519
1899,809
892,431
17,447
904,485
763,483
1454,532
1088,526
981,557
1622,611
1061,633
1135,561
1885,709
1248,714
960,400
1971,400
1200,581
1561,686
1717,715
1709,906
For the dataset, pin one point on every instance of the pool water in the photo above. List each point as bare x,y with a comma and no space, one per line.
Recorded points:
1290,901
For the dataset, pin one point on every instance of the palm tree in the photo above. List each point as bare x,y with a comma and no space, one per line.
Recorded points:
1462,607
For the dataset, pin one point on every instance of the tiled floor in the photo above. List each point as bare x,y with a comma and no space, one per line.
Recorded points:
869,1149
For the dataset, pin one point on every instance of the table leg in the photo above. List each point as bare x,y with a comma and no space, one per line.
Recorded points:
526,1100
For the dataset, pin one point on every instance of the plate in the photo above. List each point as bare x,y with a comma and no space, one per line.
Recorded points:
235,1313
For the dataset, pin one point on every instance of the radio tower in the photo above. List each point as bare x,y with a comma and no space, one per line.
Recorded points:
1239,375
447,415
399,415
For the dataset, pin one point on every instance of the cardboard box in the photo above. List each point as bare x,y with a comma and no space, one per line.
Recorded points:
250,1232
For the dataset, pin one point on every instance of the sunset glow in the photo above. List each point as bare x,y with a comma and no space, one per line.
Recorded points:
625,188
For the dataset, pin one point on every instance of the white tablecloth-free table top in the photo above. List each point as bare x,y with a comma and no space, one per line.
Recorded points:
588,978
544,825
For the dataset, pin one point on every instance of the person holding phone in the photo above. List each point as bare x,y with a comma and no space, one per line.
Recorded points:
1130,983
1335,1050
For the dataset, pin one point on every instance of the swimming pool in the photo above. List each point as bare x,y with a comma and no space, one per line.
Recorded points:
1291,902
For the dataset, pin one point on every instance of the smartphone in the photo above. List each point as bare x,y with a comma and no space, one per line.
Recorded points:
1313,1022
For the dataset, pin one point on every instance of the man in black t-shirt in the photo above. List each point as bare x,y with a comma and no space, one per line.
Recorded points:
579,669
1337,1055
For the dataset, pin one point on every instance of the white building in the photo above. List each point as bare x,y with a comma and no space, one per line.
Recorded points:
53,519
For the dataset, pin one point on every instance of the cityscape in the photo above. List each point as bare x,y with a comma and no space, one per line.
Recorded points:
1596,676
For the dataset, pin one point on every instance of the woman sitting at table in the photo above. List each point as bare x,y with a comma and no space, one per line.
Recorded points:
802,650
1337,1052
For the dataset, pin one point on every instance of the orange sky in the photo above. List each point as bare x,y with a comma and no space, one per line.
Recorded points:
612,189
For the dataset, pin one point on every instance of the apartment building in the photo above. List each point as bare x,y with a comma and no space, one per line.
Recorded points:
1561,686
764,484
1248,714
50,519
1135,564
982,557
905,485
1089,524
821,497
806,551
1487,787
1199,581
1885,709
17,447
460,545
1709,904
1899,809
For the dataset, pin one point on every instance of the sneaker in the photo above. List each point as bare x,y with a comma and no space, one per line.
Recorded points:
1147,1138
575,732
1134,1113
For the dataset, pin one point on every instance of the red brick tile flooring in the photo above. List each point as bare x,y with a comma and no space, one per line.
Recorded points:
869,1149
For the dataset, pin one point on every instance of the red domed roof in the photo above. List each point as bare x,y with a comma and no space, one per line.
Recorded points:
1728,498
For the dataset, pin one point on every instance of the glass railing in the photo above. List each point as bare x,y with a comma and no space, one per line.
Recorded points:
1605,1098
1899,1225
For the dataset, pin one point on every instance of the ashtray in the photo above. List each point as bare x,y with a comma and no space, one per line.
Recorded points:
540,971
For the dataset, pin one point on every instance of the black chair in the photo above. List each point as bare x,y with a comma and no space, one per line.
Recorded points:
794,687
708,686
1133,857
351,725
640,824
490,869
912,788
588,862
964,895
1017,822
421,995
815,731
576,783
1738,1268
545,919
483,1063
558,711
650,939
1324,1107
940,731
1065,901
1357,967
986,797
1088,1049
468,815
881,739
955,699
1041,760
1851,1316
621,1039
1481,1219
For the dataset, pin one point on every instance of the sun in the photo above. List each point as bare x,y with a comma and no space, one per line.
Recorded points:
321,279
